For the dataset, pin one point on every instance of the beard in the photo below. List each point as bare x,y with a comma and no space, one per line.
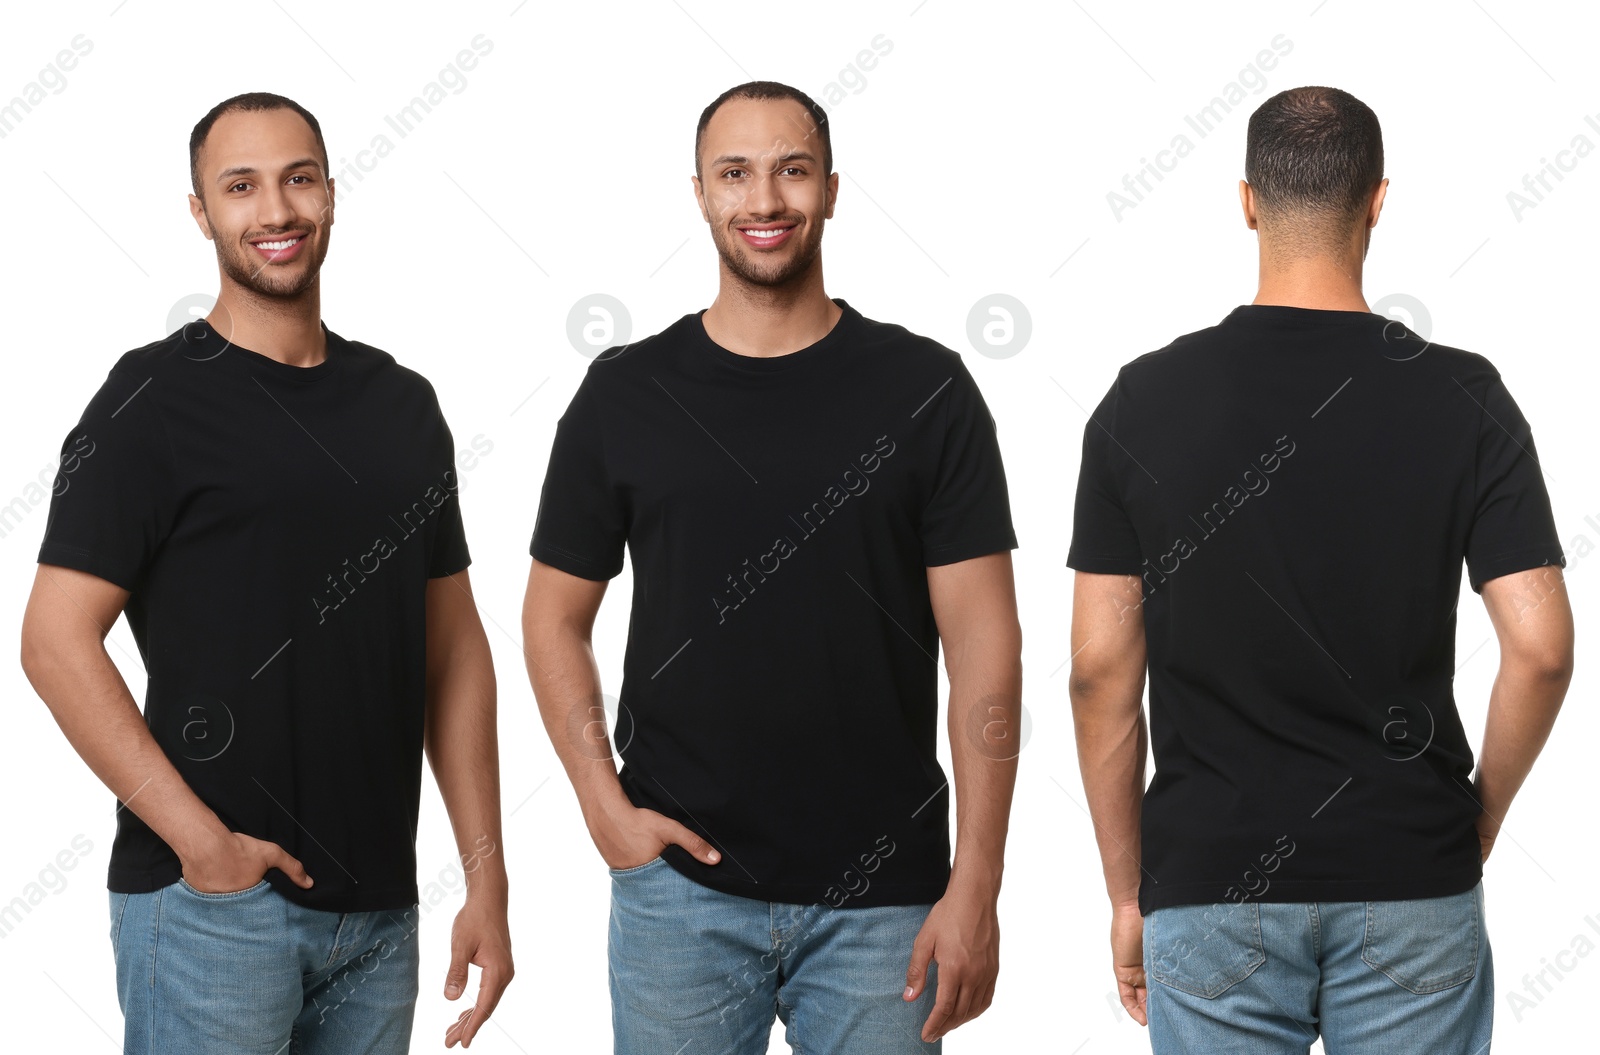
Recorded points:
754,269
245,267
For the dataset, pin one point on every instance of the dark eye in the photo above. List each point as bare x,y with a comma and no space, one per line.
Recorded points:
236,186
733,173
795,170
306,179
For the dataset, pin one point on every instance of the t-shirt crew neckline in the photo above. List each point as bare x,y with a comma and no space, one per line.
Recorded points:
1292,315
203,337
821,349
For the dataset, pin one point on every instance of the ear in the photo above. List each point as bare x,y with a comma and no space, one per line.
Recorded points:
833,194
197,209
1247,202
1375,206
700,198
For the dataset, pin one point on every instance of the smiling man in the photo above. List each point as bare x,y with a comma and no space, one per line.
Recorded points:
815,504
226,487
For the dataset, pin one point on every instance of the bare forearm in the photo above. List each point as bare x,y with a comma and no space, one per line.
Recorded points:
566,684
463,750
1522,710
985,738
91,703
1111,739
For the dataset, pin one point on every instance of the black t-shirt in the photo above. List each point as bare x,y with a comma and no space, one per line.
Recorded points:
780,689
275,527
1297,490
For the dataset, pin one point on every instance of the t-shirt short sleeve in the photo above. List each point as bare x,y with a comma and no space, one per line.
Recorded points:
1103,537
968,513
582,523
112,502
449,554
1513,528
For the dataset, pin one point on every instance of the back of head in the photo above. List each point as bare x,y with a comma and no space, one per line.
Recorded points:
1313,157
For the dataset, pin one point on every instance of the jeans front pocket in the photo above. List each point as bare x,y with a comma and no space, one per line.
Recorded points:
223,895
1425,944
1203,950
622,873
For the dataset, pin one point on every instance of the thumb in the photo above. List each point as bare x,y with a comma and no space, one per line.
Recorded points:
289,866
697,846
917,972
455,979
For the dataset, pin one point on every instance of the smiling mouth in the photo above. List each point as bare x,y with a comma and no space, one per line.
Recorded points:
275,250
766,235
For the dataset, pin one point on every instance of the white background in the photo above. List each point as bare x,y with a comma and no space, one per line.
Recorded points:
976,157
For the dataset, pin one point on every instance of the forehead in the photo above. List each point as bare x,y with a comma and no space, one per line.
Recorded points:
753,127
258,139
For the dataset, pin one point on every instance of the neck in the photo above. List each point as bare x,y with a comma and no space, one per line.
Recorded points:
767,321
1324,281
288,329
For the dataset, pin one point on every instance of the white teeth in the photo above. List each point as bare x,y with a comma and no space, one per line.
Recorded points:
276,245
766,234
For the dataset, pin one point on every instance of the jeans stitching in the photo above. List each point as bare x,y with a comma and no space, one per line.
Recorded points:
1450,981
658,859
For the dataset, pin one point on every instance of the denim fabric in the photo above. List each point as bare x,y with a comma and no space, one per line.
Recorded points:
694,970
1372,977
252,973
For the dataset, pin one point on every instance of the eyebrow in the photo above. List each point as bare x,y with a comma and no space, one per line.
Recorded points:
251,170
740,159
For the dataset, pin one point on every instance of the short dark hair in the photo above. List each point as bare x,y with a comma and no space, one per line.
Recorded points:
254,102
768,90
1313,150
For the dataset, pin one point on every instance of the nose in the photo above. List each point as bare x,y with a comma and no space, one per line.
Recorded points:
273,208
765,197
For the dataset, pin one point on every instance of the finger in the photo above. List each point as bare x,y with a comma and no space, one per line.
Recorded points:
455,979
492,981
697,846
944,1003
962,1012
289,866
452,1036
917,971
1132,998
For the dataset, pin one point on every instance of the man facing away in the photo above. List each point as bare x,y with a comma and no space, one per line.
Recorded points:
814,503
1275,511
274,507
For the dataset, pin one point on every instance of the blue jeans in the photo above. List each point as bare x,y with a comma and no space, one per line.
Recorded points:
1374,977
252,973
697,971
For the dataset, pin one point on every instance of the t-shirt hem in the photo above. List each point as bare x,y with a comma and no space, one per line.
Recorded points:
1407,888
1105,565
146,881
878,895
955,552
62,555
1521,560
573,563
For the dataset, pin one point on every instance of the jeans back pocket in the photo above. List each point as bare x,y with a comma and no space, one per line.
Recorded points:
1203,950
1425,944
